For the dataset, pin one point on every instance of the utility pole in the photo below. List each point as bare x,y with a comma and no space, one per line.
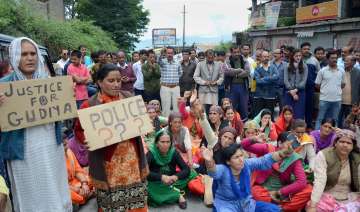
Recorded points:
184,12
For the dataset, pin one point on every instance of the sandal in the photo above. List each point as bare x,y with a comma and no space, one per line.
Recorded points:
183,205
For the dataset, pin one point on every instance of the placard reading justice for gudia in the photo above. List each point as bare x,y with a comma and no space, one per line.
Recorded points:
111,123
34,102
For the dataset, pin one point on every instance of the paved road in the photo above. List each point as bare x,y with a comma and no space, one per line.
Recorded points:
194,204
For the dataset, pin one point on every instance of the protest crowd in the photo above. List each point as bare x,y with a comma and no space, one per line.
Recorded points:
272,130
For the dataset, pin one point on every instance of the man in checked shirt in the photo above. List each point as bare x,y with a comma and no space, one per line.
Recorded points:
170,74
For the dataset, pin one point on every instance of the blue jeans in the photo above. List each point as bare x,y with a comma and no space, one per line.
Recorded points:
327,110
240,99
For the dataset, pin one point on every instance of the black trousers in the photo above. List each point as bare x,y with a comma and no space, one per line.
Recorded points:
261,103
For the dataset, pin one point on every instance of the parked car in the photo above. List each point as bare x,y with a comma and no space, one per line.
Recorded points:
5,41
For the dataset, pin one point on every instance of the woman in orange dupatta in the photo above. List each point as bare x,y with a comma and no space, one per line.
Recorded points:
118,172
283,123
79,182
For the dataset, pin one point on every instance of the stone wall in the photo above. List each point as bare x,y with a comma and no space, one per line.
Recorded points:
50,9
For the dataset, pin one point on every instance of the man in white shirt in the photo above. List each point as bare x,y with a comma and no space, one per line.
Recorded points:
345,51
139,83
64,58
330,80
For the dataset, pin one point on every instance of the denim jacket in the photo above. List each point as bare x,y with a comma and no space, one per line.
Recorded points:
266,82
12,142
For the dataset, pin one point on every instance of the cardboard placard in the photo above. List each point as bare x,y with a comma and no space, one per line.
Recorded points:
111,123
35,102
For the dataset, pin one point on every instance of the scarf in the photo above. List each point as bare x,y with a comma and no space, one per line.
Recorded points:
15,56
280,124
162,160
241,190
98,157
257,119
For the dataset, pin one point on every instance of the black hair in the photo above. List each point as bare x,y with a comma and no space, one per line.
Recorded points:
101,52
246,44
201,54
94,56
159,134
220,53
291,67
76,53
81,46
150,51
169,47
143,51
265,112
298,123
132,54
229,108
328,120
290,48
209,52
319,48
283,47
331,52
283,137
305,44
229,151
104,71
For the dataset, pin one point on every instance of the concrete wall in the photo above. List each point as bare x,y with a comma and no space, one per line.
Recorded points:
49,9
335,34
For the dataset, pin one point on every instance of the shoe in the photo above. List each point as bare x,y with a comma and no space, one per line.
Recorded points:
183,205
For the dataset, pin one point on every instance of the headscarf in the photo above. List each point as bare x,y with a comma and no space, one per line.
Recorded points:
250,124
15,56
161,159
345,133
280,124
221,133
216,109
258,118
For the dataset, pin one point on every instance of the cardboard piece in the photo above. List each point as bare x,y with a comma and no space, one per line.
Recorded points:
35,102
111,123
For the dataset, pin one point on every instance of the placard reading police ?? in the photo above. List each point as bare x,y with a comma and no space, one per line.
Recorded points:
34,102
111,123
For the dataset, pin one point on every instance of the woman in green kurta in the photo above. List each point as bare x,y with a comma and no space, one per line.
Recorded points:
165,185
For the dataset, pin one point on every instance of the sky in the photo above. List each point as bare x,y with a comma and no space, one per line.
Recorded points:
206,20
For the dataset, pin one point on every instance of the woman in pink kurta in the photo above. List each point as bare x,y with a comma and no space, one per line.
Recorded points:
276,184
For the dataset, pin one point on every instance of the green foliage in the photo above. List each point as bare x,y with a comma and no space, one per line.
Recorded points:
286,21
126,20
17,19
223,46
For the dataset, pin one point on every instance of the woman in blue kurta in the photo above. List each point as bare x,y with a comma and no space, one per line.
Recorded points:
233,193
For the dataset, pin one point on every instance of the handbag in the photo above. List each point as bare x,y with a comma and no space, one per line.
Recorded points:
197,186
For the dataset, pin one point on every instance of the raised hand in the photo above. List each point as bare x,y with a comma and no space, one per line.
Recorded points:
207,153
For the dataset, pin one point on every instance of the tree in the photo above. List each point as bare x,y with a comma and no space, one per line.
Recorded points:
17,19
70,8
223,46
126,20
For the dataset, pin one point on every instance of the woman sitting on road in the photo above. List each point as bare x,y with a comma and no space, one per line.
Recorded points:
232,190
165,185
325,136
234,121
266,125
157,122
276,184
337,185
283,123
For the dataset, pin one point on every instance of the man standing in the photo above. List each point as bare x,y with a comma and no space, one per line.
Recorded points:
35,155
170,76
193,58
64,58
330,80
187,82
238,73
345,51
139,83
280,67
208,76
266,77
350,93
319,53
313,67
135,57
86,60
151,73
128,77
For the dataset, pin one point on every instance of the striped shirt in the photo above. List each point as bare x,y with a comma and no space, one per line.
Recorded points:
170,71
